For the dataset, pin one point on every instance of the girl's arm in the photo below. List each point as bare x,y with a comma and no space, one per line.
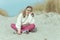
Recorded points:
18,24
31,19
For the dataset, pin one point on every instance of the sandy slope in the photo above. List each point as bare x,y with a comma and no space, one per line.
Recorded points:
48,26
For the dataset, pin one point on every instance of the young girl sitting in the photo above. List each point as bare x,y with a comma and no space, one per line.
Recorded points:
25,21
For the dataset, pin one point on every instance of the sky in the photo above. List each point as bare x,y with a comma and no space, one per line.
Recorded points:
13,7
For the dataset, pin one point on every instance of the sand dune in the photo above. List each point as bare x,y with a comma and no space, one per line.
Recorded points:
48,26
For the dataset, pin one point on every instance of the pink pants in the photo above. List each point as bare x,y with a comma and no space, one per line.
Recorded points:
23,27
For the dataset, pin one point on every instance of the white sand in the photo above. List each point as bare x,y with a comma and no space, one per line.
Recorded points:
48,26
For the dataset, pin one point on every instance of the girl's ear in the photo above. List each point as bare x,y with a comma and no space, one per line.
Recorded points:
32,14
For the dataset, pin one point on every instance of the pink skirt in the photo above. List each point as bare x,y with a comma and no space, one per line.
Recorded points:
29,27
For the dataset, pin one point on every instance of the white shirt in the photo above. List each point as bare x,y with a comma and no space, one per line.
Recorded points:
22,21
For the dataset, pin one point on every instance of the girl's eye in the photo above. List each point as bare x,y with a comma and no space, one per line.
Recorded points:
28,10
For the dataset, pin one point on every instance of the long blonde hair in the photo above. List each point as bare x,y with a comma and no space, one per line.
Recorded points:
24,12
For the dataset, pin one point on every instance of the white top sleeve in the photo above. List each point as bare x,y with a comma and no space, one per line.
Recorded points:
31,20
18,24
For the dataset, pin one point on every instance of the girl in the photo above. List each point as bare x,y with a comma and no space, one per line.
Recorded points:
25,21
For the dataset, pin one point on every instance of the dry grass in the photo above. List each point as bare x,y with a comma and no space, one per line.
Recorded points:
3,12
48,6
38,7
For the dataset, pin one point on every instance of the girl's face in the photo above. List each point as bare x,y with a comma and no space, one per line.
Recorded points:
28,10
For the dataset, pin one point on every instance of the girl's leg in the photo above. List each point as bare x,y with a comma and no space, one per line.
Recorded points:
28,28
31,27
13,26
24,29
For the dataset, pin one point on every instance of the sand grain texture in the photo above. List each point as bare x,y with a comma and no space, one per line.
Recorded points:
48,25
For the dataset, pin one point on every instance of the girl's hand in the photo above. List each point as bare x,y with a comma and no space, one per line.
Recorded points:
19,33
27,23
